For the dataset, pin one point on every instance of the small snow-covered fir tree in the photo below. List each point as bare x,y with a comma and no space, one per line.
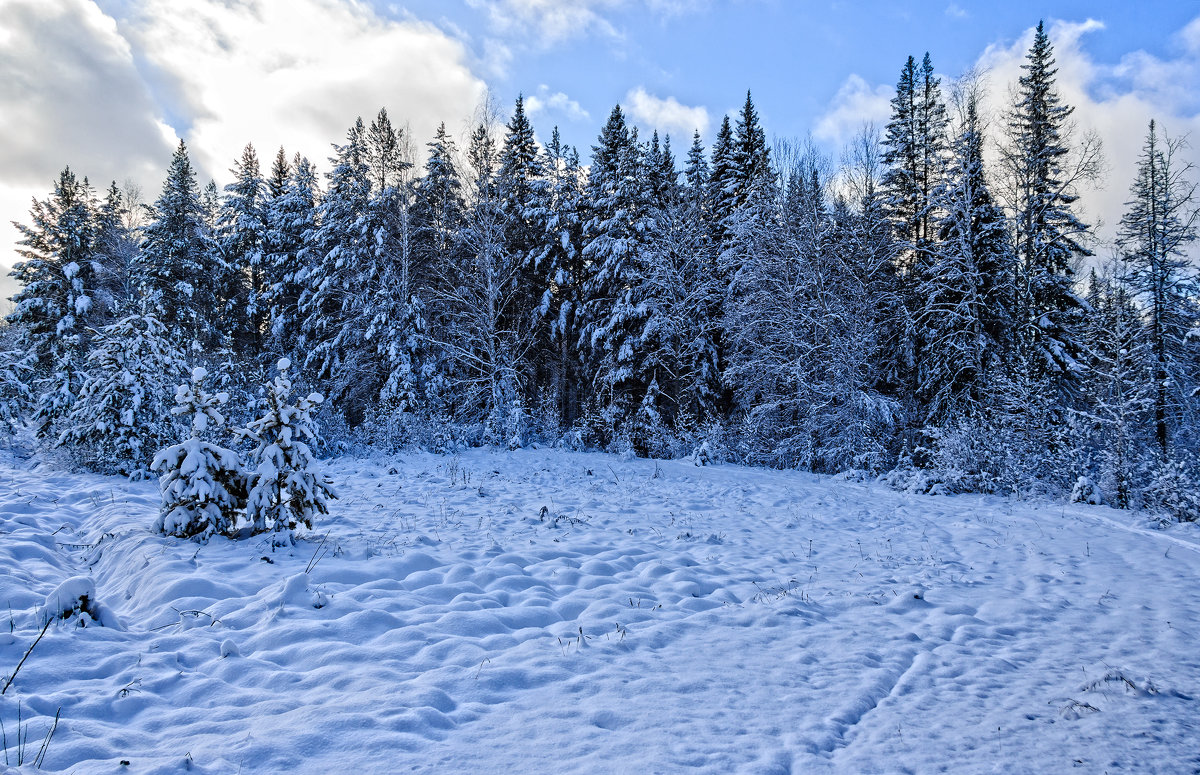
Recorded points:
284,492
121,415
203,485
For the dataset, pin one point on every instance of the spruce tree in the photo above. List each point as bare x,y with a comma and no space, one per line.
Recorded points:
524,193
964,303
291,221
202,484
15,395
722,181
1048,235
56,304
285,491
121,416
281,171
752,173
439,214
562,271
176,272
617,205
1153,237
915,145
337,282
240,242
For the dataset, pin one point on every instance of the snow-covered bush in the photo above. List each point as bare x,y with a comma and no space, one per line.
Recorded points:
1087,491
121,416
284,492
203,485
649,434
1174,491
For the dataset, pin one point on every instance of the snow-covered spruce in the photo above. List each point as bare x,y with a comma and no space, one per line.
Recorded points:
284,493
120,416
203,484
15,368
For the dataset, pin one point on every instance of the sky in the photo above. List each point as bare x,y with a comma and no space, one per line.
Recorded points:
109,87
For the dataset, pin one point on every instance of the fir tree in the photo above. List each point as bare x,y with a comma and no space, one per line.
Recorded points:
964,303
55,304
1158,226
1048,235
240,236
202,484
120,418
176,272
284,491
291,221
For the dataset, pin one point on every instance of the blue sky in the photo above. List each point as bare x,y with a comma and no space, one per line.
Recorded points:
794,54
110,86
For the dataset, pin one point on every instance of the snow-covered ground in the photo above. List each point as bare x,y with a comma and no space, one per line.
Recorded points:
543,611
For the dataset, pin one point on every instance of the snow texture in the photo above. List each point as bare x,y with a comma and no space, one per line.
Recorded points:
545,611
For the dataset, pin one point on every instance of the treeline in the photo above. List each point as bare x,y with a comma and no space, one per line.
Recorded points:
914,312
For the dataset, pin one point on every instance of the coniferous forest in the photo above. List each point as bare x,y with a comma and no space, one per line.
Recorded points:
933,308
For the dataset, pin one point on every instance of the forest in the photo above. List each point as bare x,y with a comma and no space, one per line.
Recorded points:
932,309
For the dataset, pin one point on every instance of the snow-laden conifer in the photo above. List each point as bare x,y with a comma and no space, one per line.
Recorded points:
54,306
15,368
121,416
284,492
203,485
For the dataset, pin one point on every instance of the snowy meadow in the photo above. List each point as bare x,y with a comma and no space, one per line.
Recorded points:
466,450
577,612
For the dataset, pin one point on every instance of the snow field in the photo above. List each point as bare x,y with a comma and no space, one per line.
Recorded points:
542,610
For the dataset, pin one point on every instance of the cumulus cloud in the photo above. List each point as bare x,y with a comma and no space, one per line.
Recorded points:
856,103
556,103
70,94
110,94
666,115
1115,101
296,72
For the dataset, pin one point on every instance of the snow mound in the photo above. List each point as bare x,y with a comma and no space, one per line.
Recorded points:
77,597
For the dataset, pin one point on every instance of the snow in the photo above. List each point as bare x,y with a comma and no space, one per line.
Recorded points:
542,610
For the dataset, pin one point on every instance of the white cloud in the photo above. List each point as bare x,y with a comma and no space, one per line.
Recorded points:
70,94
78,87
557,103
552,21
1116,101
296,72
556,21
666,115
856,103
